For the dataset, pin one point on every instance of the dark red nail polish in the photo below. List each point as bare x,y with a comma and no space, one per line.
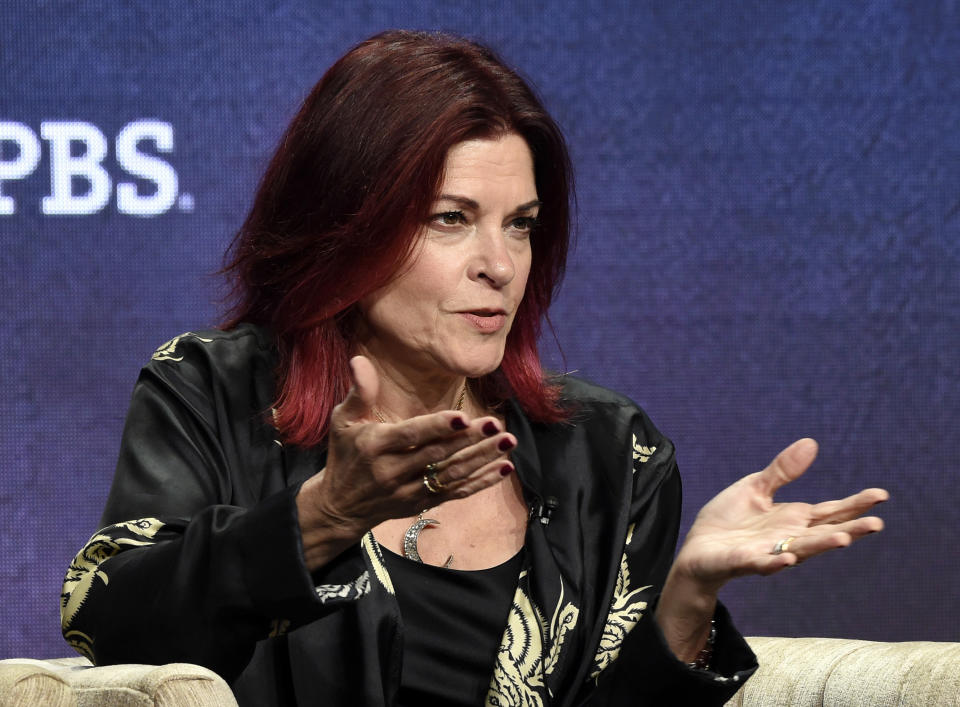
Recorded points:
457,423
490,429
505,445
505,469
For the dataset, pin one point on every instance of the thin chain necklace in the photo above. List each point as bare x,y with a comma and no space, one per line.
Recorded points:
458,407
412,533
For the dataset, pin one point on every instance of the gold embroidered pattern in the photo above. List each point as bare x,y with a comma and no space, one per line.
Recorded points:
564,620
167,351
641,453
348,592
625,611
518,676
81,643
370,547
85,570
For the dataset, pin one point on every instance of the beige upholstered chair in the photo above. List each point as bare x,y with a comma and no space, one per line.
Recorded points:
837,672
794,672
74,682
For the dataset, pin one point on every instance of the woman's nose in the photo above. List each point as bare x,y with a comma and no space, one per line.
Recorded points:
492,261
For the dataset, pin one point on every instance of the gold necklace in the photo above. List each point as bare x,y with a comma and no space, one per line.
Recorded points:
458,407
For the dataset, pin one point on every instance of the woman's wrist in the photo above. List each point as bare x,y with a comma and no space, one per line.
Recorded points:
705,656
685,615
323,534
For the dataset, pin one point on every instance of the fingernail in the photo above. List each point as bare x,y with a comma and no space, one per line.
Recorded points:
457,423
505,444
505,469
490,429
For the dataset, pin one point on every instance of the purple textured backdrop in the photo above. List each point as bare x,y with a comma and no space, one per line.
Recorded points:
768,248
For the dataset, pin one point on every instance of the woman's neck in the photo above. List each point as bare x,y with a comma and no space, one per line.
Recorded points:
404,393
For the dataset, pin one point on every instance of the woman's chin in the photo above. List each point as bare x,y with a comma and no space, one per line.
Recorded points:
478,371
477,367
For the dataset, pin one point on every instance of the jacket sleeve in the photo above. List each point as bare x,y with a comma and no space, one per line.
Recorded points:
191,566
634,665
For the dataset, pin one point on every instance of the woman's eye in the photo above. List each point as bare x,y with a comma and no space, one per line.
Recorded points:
524,223
449,218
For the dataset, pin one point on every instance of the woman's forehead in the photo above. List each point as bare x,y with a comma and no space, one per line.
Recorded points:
489,166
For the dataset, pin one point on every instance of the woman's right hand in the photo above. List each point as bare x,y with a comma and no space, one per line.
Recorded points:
375,471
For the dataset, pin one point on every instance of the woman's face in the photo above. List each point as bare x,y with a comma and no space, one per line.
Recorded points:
450,311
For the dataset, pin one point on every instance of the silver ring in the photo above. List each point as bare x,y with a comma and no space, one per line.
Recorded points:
782,546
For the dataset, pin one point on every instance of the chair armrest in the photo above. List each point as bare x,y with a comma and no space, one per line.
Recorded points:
813,672
32,682
74,681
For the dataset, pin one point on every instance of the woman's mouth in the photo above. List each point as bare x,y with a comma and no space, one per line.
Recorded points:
487,321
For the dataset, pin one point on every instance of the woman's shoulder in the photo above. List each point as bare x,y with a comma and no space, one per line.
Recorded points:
214,358
581,397
606,411
214,342
230,347
580,391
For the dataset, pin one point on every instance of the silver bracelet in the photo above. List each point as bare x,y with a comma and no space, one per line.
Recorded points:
702,661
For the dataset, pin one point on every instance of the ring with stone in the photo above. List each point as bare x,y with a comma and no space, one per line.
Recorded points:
782,546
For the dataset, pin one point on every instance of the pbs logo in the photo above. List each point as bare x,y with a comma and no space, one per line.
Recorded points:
79,182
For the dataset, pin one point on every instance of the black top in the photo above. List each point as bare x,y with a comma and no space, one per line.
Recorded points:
452,621
199,557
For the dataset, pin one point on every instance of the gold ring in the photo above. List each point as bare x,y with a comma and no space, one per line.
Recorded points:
428,481
432,471
782,546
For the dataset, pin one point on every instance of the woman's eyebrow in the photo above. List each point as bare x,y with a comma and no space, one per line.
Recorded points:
535,204
468,203
460,201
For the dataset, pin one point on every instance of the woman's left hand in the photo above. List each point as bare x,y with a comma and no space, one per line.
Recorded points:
738,531
743,531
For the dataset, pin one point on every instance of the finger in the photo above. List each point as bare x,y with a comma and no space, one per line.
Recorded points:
415,489
481,478
768,564
468,460
847,508
410,435
807,546
788,465
479,439
810,545
758,560
856,528
362,396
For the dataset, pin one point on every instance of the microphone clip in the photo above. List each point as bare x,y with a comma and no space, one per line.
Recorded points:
543,510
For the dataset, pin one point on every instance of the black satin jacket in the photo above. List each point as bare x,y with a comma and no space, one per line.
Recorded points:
200,559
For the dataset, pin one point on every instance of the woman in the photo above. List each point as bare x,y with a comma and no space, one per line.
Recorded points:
459,528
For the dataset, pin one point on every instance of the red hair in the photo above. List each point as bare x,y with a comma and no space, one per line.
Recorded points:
344,197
